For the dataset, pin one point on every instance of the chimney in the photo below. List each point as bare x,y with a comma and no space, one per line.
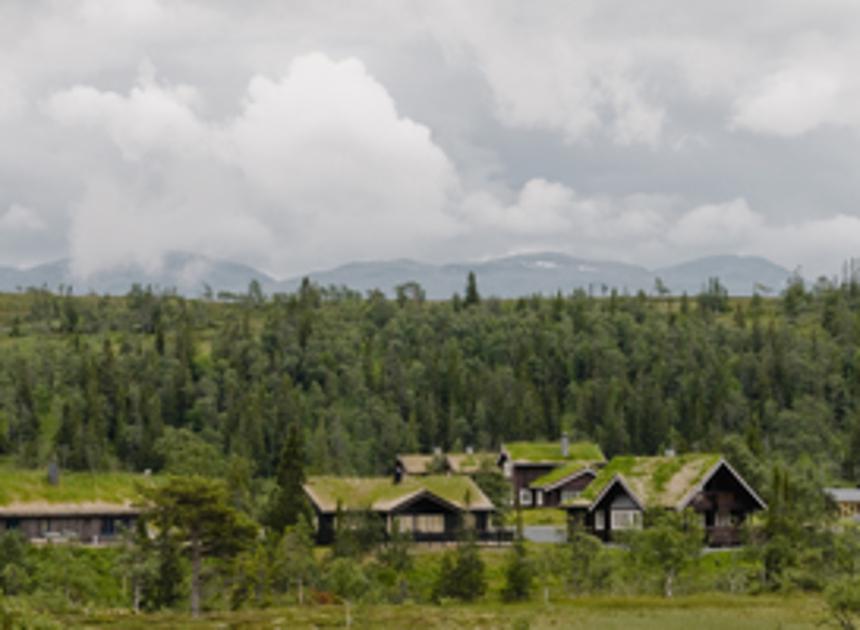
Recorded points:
565,445
53,474
398,472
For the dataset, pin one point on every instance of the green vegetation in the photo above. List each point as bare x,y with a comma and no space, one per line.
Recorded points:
544,516
365,492
560,473
17,485
658,481
196,387
551,451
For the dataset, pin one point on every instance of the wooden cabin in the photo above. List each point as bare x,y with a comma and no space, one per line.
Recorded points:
433,508
92,523
626,487
541,472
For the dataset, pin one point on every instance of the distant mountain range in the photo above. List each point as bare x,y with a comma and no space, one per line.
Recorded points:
510,276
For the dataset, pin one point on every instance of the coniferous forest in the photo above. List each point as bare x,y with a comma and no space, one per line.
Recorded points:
235,400
155,381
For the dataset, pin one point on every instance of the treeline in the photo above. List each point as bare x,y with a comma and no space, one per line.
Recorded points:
155,381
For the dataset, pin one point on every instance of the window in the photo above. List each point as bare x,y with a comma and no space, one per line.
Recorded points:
569,495
599,520
108,527
626,519
525,496
430,523
539,497
405,523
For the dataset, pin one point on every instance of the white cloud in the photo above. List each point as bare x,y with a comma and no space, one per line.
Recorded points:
547,71
20,219
790,102
819,246
716,228
312,166
153,117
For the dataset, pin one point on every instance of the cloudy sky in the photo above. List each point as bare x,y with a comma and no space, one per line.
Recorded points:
298,135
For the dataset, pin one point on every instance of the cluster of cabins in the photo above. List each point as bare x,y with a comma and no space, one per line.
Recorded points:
432,496
435,497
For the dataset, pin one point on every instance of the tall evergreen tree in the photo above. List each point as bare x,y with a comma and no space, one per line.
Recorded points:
290,503
472,296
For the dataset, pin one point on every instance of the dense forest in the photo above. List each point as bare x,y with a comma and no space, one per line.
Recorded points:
155,381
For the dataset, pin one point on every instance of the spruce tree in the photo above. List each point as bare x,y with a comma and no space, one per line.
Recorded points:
472,296
290,503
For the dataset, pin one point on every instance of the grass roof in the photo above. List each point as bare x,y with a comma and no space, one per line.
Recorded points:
471,462
551,452
557,474
380,493
31,486
656,481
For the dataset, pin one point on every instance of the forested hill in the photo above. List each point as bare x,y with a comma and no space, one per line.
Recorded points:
150,381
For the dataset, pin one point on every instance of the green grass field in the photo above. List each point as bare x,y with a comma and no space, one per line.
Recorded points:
606,613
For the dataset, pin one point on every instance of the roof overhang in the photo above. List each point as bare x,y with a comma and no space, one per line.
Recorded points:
617,479
567,478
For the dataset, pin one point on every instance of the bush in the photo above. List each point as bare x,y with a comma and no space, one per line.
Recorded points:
461,574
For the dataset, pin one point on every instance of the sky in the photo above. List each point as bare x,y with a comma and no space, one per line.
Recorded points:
296,136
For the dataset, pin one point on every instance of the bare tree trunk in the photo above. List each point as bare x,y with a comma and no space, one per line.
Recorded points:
546,595
135,598
301,592
670,578
348,615
196,562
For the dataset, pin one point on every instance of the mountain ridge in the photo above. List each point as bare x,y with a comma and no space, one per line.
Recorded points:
506,276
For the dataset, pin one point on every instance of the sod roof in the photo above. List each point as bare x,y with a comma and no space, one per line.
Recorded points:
20,487
561,473
656,481
415,463
382,494
535,452
466,463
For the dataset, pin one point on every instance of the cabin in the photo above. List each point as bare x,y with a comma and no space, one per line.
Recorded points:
432,508
847,500
616,500
466,463
87,522
546,473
